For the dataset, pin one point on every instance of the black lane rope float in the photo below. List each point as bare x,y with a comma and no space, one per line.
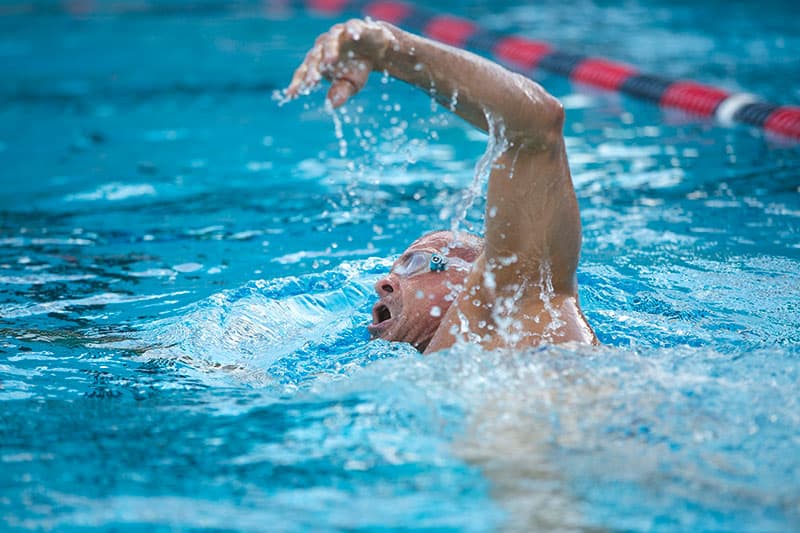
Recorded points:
521,54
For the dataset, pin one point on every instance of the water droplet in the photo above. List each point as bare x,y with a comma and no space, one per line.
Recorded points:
337,125
454,101
497,144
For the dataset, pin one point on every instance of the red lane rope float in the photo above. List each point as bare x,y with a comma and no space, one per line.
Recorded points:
393,12
602,73
333,7
693,97
450,30
784,121
521,53
524,55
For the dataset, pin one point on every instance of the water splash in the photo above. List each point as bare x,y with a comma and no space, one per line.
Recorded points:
564,425
453,101
504,315
546,294
513,168
281,97
495,147
434,97
255,333
337,126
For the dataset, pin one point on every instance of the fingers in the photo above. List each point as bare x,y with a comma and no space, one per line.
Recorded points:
307,75
316,63
294,86
330,47
332,57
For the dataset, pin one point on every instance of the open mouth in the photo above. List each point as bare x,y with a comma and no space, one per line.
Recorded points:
381,320
380,314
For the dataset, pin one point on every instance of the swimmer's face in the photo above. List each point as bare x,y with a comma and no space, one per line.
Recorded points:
413,298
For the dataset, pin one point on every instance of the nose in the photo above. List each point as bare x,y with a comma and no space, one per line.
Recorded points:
385,285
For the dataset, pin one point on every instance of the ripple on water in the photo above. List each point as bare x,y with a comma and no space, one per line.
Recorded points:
250,328
113,192
564,426
13,311
266,404
554,430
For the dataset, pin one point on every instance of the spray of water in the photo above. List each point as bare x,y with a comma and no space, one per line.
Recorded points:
337,125
505,319
504,314
453,101
495,147
546,294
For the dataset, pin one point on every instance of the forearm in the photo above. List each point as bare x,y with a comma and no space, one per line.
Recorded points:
472,86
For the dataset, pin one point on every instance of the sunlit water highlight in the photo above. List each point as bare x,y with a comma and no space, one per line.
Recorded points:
187,275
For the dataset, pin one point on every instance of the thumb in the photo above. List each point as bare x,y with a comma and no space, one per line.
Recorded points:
341,90
348,78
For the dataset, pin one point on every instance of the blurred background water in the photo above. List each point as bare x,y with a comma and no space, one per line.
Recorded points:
187,271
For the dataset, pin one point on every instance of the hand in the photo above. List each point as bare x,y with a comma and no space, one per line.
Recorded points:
345,55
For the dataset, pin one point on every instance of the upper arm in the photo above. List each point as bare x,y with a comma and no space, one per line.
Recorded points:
532,220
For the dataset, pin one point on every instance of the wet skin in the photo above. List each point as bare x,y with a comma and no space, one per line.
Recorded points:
521,289
410,309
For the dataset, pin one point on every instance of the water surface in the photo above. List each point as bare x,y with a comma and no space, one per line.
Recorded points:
187,271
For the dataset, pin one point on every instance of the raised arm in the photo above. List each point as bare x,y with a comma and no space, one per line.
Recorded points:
469,84
533,229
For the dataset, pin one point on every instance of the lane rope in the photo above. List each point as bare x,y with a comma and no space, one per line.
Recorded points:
526,55
518,53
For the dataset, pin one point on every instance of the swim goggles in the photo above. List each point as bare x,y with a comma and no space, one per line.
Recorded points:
420,262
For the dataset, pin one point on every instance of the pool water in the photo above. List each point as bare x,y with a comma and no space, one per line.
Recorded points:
187,270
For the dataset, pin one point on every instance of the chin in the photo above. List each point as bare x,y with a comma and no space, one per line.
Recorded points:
421,345
386,330
420,342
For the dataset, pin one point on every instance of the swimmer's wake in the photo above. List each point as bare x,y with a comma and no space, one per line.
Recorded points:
260,331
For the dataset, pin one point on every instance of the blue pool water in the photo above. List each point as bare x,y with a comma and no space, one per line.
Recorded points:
187,269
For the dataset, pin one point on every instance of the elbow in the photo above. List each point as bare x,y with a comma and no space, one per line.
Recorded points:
556,114
553,121
543,118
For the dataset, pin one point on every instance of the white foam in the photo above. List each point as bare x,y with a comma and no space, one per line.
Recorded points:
113,192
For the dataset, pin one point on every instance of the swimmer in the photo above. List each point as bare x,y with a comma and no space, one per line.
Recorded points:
516,287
